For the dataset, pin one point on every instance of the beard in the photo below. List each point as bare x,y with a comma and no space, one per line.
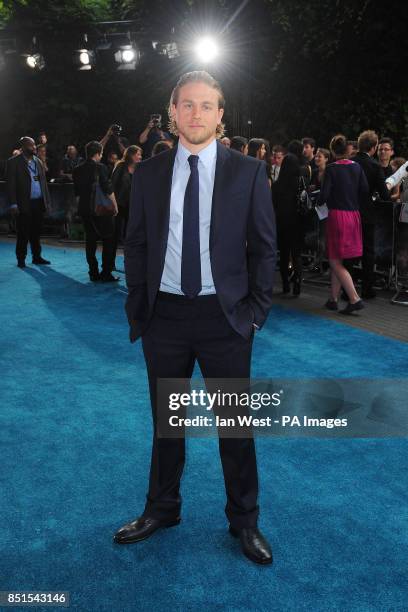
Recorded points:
197,138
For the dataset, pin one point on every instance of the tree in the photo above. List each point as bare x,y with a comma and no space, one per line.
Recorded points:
292,68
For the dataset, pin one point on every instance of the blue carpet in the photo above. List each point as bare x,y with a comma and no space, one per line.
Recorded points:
75,450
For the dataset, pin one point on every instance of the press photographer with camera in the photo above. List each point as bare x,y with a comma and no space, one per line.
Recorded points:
151,134
113,141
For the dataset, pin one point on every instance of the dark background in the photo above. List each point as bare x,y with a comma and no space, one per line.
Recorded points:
293,68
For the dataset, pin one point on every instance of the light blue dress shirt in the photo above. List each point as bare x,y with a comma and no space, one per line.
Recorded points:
171,278
36,191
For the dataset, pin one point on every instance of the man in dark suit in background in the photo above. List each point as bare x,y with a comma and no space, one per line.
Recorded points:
367,147
96,228
200,258
29,199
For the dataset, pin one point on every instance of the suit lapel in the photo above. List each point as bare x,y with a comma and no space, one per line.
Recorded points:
164,180
220,180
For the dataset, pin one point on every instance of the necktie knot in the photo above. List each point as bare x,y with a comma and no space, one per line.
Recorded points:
193,161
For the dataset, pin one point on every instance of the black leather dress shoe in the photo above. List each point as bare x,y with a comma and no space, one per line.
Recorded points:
108,278
40,261
253,544
140,529
21,263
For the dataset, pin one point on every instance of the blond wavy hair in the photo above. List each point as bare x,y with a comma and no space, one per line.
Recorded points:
197,76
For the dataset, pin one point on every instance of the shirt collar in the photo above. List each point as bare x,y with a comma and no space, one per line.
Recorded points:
206,155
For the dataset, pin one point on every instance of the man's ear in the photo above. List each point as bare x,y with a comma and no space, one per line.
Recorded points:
221,114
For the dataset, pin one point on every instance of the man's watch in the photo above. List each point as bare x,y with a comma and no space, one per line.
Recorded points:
255,326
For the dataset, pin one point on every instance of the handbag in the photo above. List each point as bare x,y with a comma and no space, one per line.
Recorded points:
305,202
102,205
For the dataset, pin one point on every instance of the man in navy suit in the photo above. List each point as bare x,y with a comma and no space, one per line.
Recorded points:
200,257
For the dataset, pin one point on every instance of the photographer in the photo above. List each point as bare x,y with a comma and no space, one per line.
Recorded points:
70,161
113,141
151,134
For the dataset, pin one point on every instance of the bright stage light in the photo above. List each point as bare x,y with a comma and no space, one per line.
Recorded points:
206,50
35,61
127,57
84,57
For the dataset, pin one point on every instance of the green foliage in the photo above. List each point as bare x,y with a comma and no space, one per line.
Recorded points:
5,13
47,13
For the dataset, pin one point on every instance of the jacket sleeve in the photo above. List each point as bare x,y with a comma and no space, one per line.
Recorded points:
396,178
135,251
261,247
121,186
44,185
363,188
104,180
326,188
381,187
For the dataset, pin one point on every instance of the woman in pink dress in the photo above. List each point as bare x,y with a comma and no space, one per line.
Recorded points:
344,186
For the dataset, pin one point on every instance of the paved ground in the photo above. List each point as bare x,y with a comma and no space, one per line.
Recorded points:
380,315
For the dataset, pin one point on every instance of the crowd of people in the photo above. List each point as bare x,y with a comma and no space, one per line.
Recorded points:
343,182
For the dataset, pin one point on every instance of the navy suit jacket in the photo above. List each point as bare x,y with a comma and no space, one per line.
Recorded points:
242,239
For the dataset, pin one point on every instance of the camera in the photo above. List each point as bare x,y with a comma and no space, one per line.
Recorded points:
156,120
116,130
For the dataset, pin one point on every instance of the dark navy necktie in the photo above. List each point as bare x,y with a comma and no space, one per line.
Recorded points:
190,258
